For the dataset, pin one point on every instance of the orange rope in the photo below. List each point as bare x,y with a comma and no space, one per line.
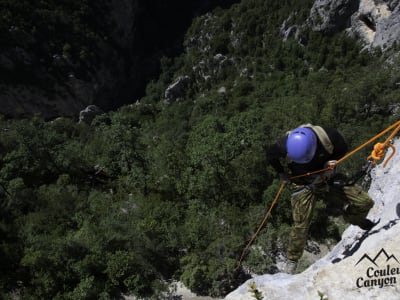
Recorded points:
391,154
311,173
262,223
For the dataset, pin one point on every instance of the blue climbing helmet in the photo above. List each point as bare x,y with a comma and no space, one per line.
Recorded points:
301,145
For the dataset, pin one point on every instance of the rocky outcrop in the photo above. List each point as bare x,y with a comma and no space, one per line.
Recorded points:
89,113
381,21
376,23
331,16
364,265
176,90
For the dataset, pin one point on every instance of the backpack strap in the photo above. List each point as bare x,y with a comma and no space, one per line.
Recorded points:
322,136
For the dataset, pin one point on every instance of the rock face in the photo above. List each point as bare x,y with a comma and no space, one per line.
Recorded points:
387,21
89,113
377,23
331,16
176,89
362,266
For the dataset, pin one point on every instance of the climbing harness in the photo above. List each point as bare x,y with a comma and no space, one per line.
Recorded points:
376,155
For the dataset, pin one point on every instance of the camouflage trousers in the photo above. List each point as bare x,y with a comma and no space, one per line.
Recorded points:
351,201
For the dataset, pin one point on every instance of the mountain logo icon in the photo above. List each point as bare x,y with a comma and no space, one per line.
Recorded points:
373,260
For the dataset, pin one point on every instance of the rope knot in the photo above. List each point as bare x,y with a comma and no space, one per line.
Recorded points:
378,152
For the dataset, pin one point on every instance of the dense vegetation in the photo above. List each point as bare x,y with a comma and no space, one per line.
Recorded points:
172,190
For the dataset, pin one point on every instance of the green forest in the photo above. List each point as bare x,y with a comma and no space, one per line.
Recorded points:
161,191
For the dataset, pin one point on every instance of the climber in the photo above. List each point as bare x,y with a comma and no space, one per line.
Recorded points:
306,149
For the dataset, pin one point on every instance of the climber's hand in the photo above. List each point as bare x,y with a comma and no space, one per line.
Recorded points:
330,167
331,164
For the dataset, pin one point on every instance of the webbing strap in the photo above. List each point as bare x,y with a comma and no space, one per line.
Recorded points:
322,136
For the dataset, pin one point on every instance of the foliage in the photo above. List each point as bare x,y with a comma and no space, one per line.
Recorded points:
256,294
155,191
322,296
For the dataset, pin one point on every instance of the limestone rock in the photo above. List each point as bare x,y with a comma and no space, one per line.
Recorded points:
176,89
376,23
331,16
89,113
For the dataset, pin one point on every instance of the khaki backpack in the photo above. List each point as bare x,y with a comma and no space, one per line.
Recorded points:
322,136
